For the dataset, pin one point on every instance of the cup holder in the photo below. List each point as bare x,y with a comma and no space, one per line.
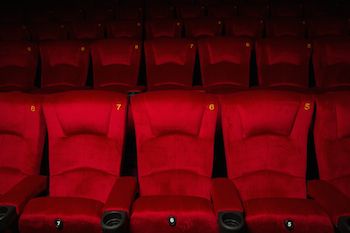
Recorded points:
114,222
231,222
7,217
344,224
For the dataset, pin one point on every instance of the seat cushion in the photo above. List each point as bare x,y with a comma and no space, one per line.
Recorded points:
192,214
269,215
77,214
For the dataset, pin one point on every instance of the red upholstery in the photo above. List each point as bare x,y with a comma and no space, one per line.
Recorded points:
190,11
22,140
222,11
286,9
203,27
116,64
124,29
18,62
86,31
327,26
331,62
244,27
86,135
225,63
283,62
273,127
163,28
14,32
285,26
169,63
174,161
160,12
49,31
64,64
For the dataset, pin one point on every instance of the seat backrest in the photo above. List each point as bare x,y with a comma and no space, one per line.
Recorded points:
190,11
22,132
283,62
124,29
174,157
286,26
130,13
116,62
222,11
11,32
327,26
170,61
241,26
86,135
171,28
265,136
18,63
203,27
86,31
64,63
249,9
332,138
331,62
48,31
225,60
160,12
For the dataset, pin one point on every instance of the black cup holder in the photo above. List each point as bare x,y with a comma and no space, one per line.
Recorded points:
7,217
344,224
114,222
231,222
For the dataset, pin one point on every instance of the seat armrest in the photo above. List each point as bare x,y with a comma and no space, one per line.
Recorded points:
227,206
333,201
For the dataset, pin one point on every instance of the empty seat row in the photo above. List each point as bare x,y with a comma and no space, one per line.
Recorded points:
265,135
192,28
225,64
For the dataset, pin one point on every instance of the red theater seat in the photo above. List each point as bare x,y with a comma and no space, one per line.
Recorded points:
250,27
116,64
222,11
49,31
265,135
286,26
163,28
18,63
86,135
203,27
86,31
22,139
174,162
190,11
170,63
129,13
124,29
327,26
160,12
64,65
283,62
14,32
332,62
331,134
225,63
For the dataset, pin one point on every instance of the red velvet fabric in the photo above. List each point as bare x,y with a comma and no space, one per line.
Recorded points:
331,133
330,198
225,62
175,142
48,31
331,62
14,31
241,26
286,26
269,215
170,63
193,215
163,28
116,64
283,62
64,63
86,31
125,29
18,63
77,214
86,135
327,26
187,11
272,126
203,27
